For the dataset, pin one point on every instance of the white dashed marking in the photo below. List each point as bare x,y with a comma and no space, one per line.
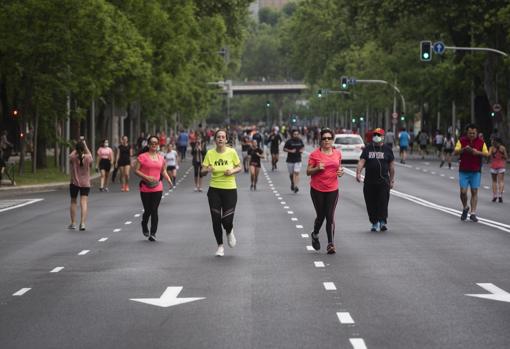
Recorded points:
279,198
137,215
452,177
432,173
283,203
293,219
116,230
102,239
304,236
290,212
84,252
21,292
329,286
319,264
286,207
57,269
309,248
358,343
345,318
486,187
128,222
442,174
299,226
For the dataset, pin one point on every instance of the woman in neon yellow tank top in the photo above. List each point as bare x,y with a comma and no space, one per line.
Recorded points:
223,163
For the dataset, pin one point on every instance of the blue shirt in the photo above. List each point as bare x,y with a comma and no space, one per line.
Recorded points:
404,139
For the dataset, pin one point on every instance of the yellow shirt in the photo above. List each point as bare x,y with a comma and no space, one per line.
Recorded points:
221,162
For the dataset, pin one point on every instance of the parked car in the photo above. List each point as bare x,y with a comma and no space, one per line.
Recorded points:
351,146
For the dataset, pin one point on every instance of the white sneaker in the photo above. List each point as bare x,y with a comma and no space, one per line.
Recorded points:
220,252
231,239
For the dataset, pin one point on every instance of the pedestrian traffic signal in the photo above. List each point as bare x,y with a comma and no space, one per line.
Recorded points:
268,104
426,51
344,83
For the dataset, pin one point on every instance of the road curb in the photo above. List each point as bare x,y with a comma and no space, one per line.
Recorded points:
38,187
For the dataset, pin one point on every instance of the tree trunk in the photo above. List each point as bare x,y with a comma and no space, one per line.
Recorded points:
34,141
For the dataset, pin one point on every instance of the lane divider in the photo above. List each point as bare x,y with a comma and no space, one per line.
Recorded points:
57,270
21,292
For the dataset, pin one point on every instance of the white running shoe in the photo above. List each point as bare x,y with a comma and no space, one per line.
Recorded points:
220,252
231,239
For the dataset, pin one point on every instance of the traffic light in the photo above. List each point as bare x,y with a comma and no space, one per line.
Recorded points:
268,104
493,114
403,118
426,51
353,120
293,119
344,83
319,93
15,113
361,119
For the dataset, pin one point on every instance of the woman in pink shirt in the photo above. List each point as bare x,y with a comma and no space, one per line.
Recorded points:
80,161
150,166
498,156
324,167
104,163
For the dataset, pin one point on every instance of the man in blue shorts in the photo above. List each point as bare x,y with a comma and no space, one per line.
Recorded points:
470,149
403,140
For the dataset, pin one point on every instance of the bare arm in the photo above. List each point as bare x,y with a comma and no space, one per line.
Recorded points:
392,174
361,164
142,175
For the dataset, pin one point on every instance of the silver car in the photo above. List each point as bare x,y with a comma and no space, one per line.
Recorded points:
351,146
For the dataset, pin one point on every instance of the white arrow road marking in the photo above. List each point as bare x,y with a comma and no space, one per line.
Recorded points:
496,293
168,298
345,318
358,343
329,286
21,292
57,269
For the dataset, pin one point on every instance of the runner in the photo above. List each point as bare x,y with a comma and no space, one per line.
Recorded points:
470,149
438,142
172,162
123,163
423,140
255,155
274,140
80,160
498,156
324,167
379,164
104,163
403,140
182,144
198,153
223,163
150,167
245,146
294,147
448,146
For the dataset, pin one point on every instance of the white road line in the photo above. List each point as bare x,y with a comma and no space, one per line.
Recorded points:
286,207
432,173
21,292
279,198
57,269
102,239
290,212
319,264
293,219
329,286
116,230
452,177
442,174
309,248
274,191
84,252
128,222
305,236
137,215
486,187
418,168
358,343
345,318
20,205
283,203
299,226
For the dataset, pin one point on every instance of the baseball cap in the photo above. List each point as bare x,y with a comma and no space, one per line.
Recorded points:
379,131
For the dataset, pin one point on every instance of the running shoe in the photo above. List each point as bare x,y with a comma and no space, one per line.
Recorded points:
501,199
199,190
331,248
494,199
101,189
231,239
296,189
464,214
71,226
106,189
251,187
383,226
220,252
196,189
315,241
292,186
376,227
82,227
473,218
152,237
145,230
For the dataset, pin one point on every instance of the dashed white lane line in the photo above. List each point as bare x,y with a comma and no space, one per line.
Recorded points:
128,222
286,207
290,212
358,343
329,286
21,292
345,318
279,198
116,230
299,226
275,191
452,177
442,174
319,264
57,269
304,236
137,215
418,168
102,239
486,187
283,203
309,248
294,219
84,252
432,173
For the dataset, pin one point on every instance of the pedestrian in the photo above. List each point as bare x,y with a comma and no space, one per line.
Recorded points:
423,140
275,140
294,148
448,146
438,141
6,146
379,164
80,161
172,162
256,153
223,163
123,162
151,168
182,143
324,167
389,138
403,140
198,154
104,163
411,140
470,149
498,156
245,146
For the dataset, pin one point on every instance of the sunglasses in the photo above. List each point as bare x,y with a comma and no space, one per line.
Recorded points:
327,138
154,143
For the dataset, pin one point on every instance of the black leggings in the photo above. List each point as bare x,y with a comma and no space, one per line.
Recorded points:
222,203
325,205
377,197
150,203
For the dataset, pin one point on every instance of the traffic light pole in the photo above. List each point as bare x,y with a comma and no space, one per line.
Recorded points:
386,83
486,49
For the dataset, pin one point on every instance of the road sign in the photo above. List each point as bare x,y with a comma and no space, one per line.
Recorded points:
394,115
438,47
496,107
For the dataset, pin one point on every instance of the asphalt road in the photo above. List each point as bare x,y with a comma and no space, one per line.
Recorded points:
404,288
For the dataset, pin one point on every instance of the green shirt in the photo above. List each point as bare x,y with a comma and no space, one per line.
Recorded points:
221,162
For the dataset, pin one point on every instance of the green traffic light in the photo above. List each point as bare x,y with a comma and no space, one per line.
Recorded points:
426,55
361,119
353,119
493,114
402,118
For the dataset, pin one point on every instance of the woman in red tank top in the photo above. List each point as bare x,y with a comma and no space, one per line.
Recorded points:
498,156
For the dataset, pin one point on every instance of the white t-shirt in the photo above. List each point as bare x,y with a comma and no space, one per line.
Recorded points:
439,139
171,158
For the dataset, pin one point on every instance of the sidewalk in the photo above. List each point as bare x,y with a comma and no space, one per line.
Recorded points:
14,189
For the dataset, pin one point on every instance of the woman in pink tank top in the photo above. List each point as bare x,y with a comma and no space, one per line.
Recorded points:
498,156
